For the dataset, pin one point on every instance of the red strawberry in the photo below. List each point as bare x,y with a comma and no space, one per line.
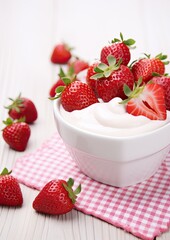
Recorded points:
10,192
78,65
90,72
52,92
111,78
164,81
147,66
22,107
76,95
147,100
16,134
69,74
61,54
57,197
119,49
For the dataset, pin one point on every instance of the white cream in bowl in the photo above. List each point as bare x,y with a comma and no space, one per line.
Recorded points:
111,119
112,146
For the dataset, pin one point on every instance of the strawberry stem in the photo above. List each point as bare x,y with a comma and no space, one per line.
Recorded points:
9,121
104,70
129,42
72,194
162,58
137,89
16,103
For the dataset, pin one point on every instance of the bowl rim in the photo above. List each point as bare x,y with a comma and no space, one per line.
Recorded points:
56,107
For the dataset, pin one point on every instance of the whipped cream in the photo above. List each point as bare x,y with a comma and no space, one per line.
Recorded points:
111,119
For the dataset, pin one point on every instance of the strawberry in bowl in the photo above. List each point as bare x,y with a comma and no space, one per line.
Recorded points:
122,137
105,138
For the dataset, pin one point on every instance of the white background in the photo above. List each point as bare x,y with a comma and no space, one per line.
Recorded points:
28,32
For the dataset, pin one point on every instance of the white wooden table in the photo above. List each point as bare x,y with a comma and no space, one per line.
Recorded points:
28,32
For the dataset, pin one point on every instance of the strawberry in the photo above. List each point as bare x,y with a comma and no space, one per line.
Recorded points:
16,134
146,67
147,100
111,78
164,81
52,92
78,65
69,74
61,54
90,72
22,107
119,48
57,197
10,192
76,95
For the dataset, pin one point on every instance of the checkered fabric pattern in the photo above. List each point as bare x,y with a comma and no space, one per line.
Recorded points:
143,209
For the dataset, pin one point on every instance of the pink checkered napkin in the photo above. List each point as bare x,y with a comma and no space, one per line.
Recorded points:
143,210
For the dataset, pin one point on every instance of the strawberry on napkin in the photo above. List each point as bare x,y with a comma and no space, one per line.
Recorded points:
143,209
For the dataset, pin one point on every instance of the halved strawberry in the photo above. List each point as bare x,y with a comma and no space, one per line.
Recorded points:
119,48
147,100
164,81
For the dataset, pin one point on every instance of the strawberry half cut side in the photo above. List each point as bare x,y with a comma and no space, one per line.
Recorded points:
147,100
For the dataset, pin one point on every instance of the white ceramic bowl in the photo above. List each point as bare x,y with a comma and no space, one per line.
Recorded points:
117,161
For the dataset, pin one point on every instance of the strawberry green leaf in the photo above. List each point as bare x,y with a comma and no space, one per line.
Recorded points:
162,58
60,89
107,73
70,182
147,55
111,60
71,194
115,40
61,73
97,76
98,70
137,89
121,36
66,80
126,90
16,103
70,71
166,63
129,42
155,74
78,190
8,121
102,66
139,82
5,172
